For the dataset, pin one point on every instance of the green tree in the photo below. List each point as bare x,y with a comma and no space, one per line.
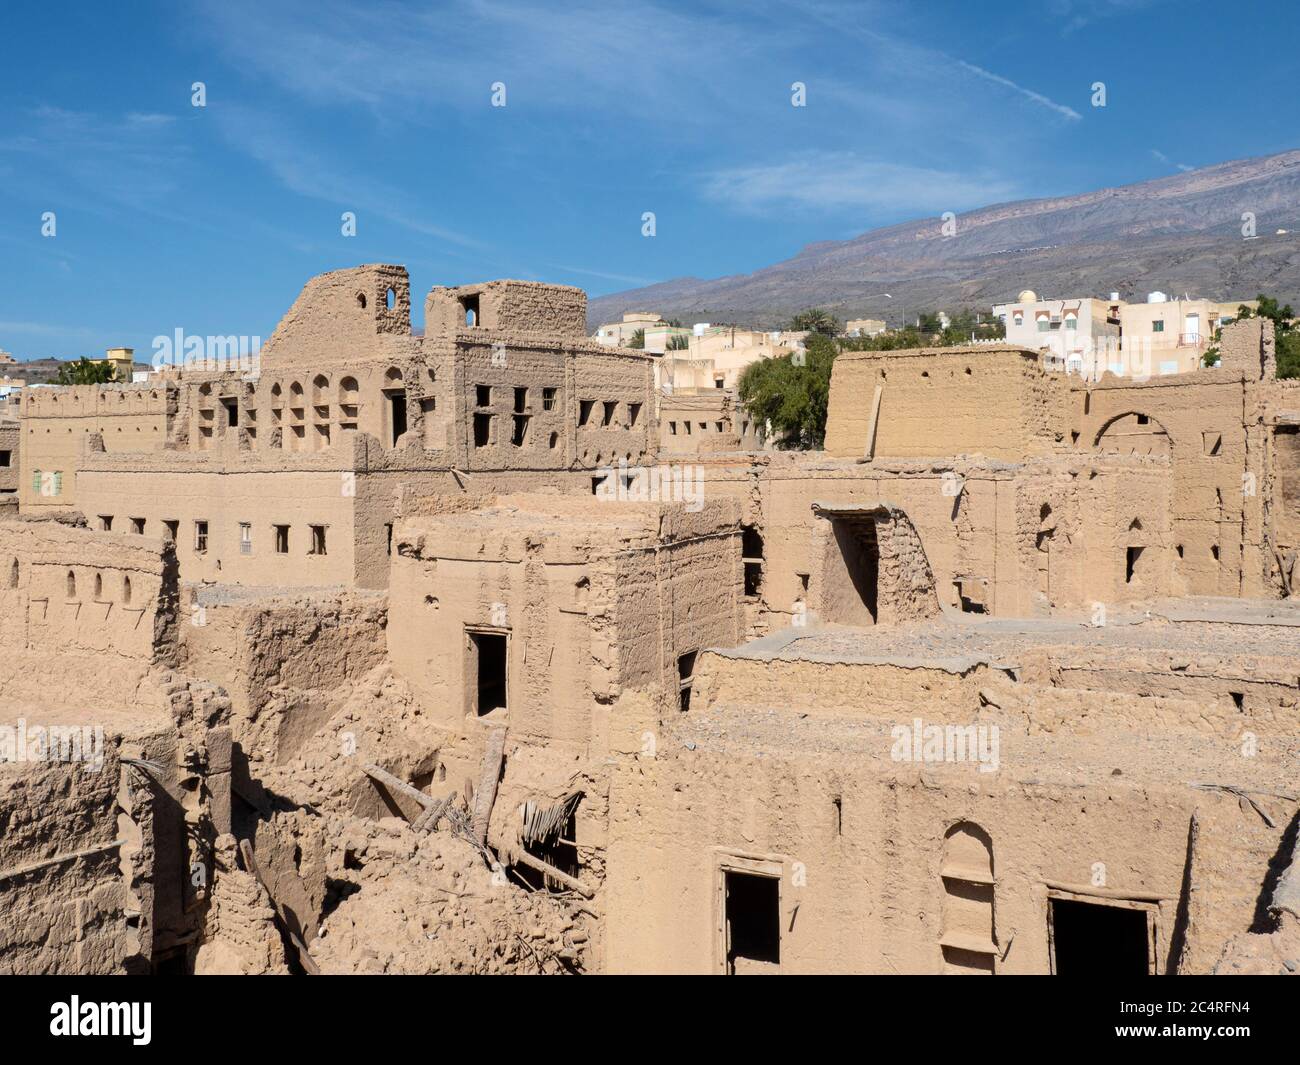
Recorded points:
84,372
815,320
791,393
678,342
638,340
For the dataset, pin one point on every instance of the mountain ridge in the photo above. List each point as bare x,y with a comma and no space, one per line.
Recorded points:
1182,232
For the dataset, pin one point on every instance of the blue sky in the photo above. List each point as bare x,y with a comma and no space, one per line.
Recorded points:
210,219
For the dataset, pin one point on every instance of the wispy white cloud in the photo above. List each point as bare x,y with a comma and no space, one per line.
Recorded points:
94,162
1159,155
1073,15
841,180
1029,94
313,174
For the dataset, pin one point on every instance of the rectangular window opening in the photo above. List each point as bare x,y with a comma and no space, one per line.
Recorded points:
685,675
1131,557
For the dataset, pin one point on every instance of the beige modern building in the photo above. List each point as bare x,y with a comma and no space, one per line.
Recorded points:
621,334
717,355
864,327
1081,336
1172,334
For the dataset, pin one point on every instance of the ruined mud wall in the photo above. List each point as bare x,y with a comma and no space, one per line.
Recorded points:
339,318
1216,503
947,401
510,306
10,458
606,596
87,598
282,659
860,863
63,900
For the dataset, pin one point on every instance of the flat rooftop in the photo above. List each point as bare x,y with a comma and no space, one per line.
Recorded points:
1232,628
1116,758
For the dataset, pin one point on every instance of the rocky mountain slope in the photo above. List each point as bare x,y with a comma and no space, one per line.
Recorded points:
1177,234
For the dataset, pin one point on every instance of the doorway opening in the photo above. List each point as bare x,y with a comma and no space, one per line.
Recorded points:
488,653
1098,939
853,572
753,923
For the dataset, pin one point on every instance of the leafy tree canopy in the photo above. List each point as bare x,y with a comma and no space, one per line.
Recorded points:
791,392
85,372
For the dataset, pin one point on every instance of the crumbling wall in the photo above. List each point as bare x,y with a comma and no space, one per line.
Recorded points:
63,902
511,306
282,658
10,457
988,400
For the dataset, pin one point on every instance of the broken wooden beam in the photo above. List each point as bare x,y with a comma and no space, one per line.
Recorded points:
304,956
428,820
486,792
398,786
59,859
522,857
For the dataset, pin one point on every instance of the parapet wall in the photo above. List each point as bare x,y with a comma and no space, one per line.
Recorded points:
84,599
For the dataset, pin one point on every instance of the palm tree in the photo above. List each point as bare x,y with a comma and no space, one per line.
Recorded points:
815,320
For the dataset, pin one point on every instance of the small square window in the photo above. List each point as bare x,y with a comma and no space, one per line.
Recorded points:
105,523
317,540
548,398
483,395
245,538
200,536
1158,327
137,526
281,539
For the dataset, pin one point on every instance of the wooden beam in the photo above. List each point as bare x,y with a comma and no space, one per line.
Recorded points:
486,792
870,451
522,857
304,956
72,856
398,787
